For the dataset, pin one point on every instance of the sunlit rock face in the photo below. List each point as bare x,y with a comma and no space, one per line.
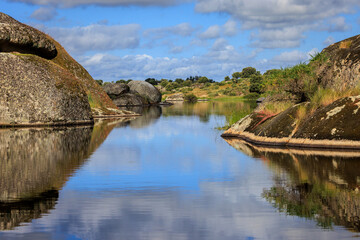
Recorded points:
35,91
319,185
341,70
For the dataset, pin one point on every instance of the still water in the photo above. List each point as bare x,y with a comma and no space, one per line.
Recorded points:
169,175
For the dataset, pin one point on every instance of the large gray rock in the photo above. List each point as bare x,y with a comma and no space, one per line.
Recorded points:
129,99
18,37
150,93
34,91
114,90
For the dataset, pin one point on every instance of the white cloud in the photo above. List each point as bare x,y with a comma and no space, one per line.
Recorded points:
277,15
177,49
211,32
293,57
44,14
221,60
337,24
288,37
328,41
97,37
182,29
73,3
230,28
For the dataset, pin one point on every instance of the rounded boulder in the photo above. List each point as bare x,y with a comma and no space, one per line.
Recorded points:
150,93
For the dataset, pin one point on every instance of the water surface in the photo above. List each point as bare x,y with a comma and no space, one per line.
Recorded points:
169,175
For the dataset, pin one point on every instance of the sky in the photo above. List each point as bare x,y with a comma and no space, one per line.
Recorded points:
139,39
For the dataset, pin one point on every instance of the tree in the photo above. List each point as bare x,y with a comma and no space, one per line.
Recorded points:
164,82
256,84
187,83
179,81
227,78
236,75
248,71
152,81
203,80
100,82
190,98
121,81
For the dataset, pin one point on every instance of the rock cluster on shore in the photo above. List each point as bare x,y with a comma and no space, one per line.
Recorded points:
136,93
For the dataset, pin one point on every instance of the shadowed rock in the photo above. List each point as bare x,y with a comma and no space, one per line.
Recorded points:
18,37
114,90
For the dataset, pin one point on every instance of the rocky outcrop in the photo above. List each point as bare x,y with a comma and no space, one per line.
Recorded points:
18,37
42,84
35,91
335,126
177,97
340,68
114,90
139,93
150,93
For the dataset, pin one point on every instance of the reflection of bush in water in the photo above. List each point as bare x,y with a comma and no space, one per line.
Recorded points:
13,214
315,202
314,184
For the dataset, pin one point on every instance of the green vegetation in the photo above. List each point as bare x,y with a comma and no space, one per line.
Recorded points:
190,98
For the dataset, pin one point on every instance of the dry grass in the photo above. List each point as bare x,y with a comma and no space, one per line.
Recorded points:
324,97
273,108
345,44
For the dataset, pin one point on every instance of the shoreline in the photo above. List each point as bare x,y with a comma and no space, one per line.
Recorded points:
294,142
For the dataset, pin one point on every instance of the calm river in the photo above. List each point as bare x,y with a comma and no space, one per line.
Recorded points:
169,175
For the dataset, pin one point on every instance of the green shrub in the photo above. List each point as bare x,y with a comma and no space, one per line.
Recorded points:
190,98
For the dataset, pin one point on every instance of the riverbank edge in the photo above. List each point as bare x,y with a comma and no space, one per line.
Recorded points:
294,142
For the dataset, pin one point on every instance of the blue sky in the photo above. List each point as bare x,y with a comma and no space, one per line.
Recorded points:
137,39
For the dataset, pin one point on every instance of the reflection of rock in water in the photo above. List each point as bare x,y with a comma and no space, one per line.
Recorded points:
320,185
35,163
12,214
149,115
